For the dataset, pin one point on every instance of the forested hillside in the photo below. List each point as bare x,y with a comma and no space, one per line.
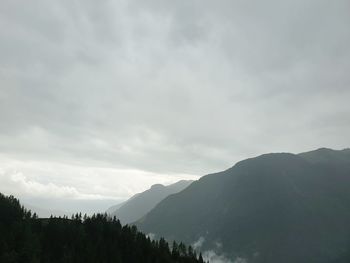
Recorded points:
25,238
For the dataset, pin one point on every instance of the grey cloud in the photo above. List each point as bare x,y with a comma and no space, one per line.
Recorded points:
172,86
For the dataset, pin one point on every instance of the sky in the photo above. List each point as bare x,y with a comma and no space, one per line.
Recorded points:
101,99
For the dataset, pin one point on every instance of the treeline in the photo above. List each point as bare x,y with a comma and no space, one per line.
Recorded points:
26,238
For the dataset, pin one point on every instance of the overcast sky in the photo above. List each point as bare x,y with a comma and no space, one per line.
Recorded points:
101,99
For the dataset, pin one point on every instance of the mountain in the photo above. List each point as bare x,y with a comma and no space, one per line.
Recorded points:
45,213
278,207
25,238
141,203
114,208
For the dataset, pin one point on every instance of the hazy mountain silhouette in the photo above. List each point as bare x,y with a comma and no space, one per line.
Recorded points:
278,207
114,208
141,203
45,213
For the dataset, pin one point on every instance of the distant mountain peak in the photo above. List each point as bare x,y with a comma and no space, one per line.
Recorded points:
157,186
140,204
325,150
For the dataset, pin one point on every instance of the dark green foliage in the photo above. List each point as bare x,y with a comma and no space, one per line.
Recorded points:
25,238
273,208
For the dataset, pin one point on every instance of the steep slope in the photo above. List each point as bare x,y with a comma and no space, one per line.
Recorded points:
140,204
273,208
114,208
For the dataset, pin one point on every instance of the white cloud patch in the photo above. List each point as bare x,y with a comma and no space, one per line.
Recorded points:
199,243
152,236
18,184
72,183
212,257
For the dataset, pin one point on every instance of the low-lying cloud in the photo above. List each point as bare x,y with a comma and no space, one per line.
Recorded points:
52,185
212,255
19,183
199,243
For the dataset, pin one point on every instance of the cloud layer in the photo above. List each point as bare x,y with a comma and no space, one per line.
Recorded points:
171,87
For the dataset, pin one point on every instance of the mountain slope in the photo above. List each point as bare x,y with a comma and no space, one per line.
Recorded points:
114,208
273,208
140,204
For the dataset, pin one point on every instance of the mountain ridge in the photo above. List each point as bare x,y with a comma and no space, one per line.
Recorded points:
265,206
140,204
